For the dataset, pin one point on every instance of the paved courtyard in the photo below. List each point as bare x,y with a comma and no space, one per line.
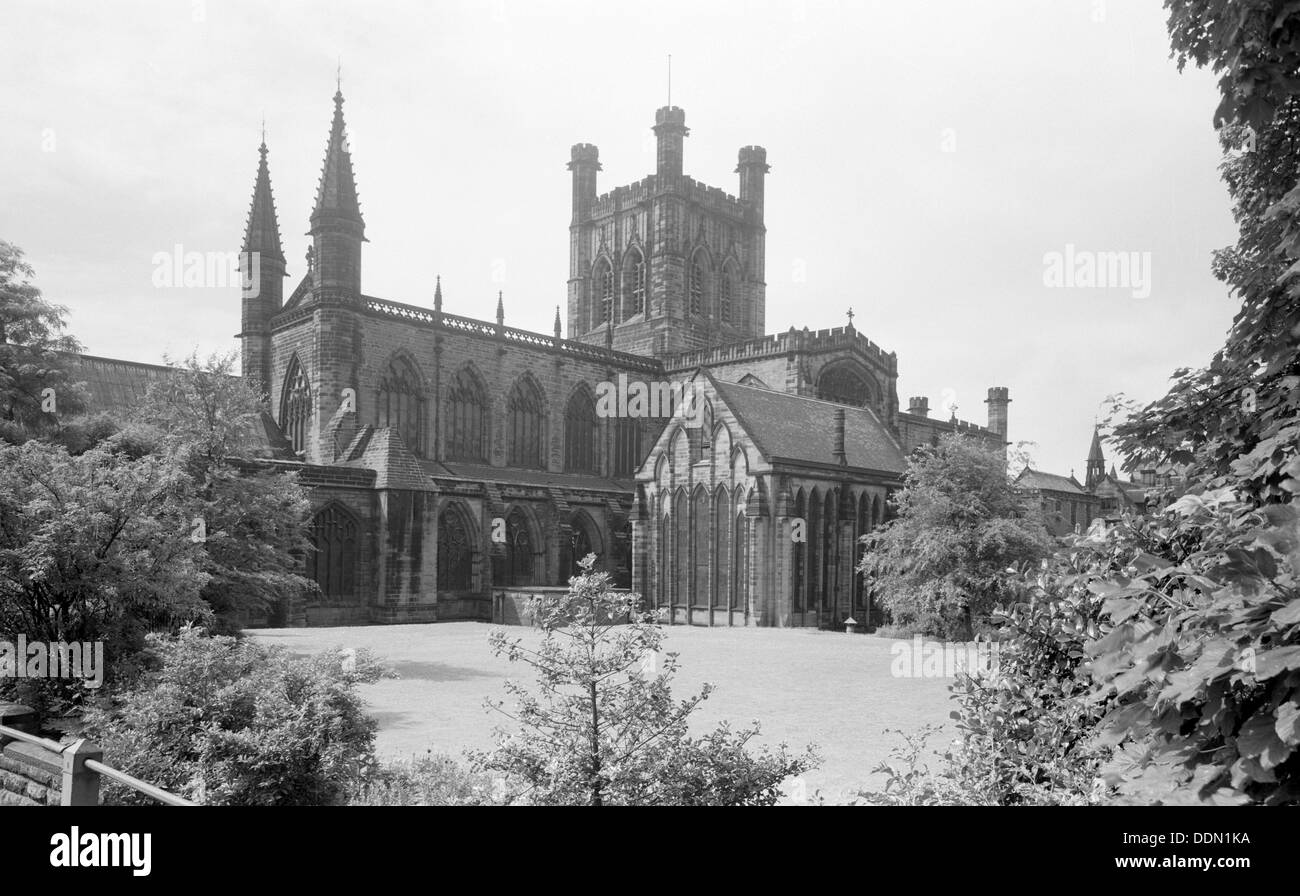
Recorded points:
802,686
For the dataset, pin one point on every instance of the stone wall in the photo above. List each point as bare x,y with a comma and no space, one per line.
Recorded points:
29,775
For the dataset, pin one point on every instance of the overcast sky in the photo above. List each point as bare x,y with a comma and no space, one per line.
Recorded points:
926,157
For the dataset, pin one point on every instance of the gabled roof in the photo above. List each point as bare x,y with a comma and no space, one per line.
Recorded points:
1050,482
303,289
800,429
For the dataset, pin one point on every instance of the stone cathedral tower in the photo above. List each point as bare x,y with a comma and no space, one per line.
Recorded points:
667,264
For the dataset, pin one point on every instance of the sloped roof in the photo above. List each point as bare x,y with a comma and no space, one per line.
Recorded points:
303,288
114,385
271,440
803,429
1030,478
394,464
540,478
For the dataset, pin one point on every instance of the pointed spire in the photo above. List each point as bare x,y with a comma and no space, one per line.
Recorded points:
557,323
262,233
437,295
501,309
337,194
1094,452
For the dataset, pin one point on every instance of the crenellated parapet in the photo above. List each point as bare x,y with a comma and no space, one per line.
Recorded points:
803,341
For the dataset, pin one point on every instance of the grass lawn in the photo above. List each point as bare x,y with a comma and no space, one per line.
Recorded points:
802,686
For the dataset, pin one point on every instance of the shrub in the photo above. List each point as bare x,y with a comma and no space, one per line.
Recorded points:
604,729
1024,731
232,722
429,780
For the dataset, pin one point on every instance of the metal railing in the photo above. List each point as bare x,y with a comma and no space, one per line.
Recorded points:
82,770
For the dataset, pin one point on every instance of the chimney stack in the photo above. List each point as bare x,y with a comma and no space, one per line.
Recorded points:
919,405
840,457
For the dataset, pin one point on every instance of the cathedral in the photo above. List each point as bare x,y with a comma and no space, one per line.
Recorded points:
459,465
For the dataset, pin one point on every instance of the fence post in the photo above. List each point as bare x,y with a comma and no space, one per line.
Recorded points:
80,784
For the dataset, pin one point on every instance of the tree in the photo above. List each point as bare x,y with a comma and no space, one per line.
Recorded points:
604,730
1235,420
33,354
1176,638
960,522
252,516
95,547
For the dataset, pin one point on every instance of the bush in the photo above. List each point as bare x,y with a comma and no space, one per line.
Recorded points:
603,728
1201,667
429,780
229,722
1024,730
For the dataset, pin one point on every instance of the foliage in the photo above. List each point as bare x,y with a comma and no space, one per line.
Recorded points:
1202,666
165,522
938,565
253,515
1202,661
604,729
1235,421
1158,662
429,780
94,548
33,350
233,722
1024,727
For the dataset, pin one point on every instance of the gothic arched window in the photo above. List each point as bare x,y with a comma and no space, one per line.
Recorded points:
295,406
580,543
813,567
740,576
726,295
401,403
799,561
580,431
467,419
697,285
628,450
605,290
332,565
702,562
455,551
519,550
680,566
634,283
722,522
620,561
829,554
844,385
524,426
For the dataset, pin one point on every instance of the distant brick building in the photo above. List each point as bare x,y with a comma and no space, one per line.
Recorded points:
1071,507
453,460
